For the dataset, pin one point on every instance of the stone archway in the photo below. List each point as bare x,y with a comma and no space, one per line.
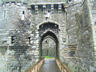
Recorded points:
45,22
50,31
53,37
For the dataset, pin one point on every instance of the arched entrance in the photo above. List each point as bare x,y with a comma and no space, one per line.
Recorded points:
49,46
49,43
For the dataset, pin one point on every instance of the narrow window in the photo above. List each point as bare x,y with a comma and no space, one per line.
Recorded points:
12,39
23,12
29,39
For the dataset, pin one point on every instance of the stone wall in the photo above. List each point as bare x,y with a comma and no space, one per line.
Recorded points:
92,7
85,45
19,36
79,31
16,52
69,52
32,1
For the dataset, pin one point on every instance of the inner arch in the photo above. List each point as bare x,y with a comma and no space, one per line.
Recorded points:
51,37
49,47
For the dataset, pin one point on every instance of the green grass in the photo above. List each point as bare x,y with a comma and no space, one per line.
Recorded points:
48,57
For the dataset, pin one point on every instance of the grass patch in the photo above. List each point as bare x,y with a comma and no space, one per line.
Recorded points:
48,57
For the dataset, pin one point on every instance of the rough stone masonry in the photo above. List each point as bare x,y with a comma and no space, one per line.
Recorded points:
26,24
